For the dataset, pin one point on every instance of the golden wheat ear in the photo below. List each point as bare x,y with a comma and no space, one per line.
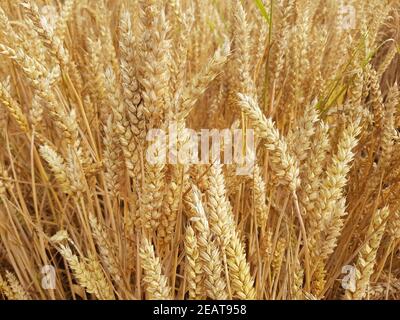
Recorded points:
100,101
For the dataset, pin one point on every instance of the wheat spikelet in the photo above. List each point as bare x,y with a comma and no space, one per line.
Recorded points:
239,269
179,181
278,256
193,270
8,30
260,202
223,226
319,279
5,289
334,229
36,113
298,283
366,258
217,209
14,108
12,288
327,245
242,52
127,139
96,67
42,80
155,282
332,186
105,248
282,44
57,165
31,67
46,33
387,60
284,165
388,131
213,269
112,158
102,100
153,193
130,85
97,278
377,105
155,73
300,137
393,227
105,35
3,185
313,168
62,21
89,275
201,80
210,256
178,185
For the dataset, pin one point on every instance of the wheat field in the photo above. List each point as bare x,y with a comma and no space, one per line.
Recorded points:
85,215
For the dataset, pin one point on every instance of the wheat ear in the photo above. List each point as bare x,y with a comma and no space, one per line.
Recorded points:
367,256
194,271
155,282
210,255
283,163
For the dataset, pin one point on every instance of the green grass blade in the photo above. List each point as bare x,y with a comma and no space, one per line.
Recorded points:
263,11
